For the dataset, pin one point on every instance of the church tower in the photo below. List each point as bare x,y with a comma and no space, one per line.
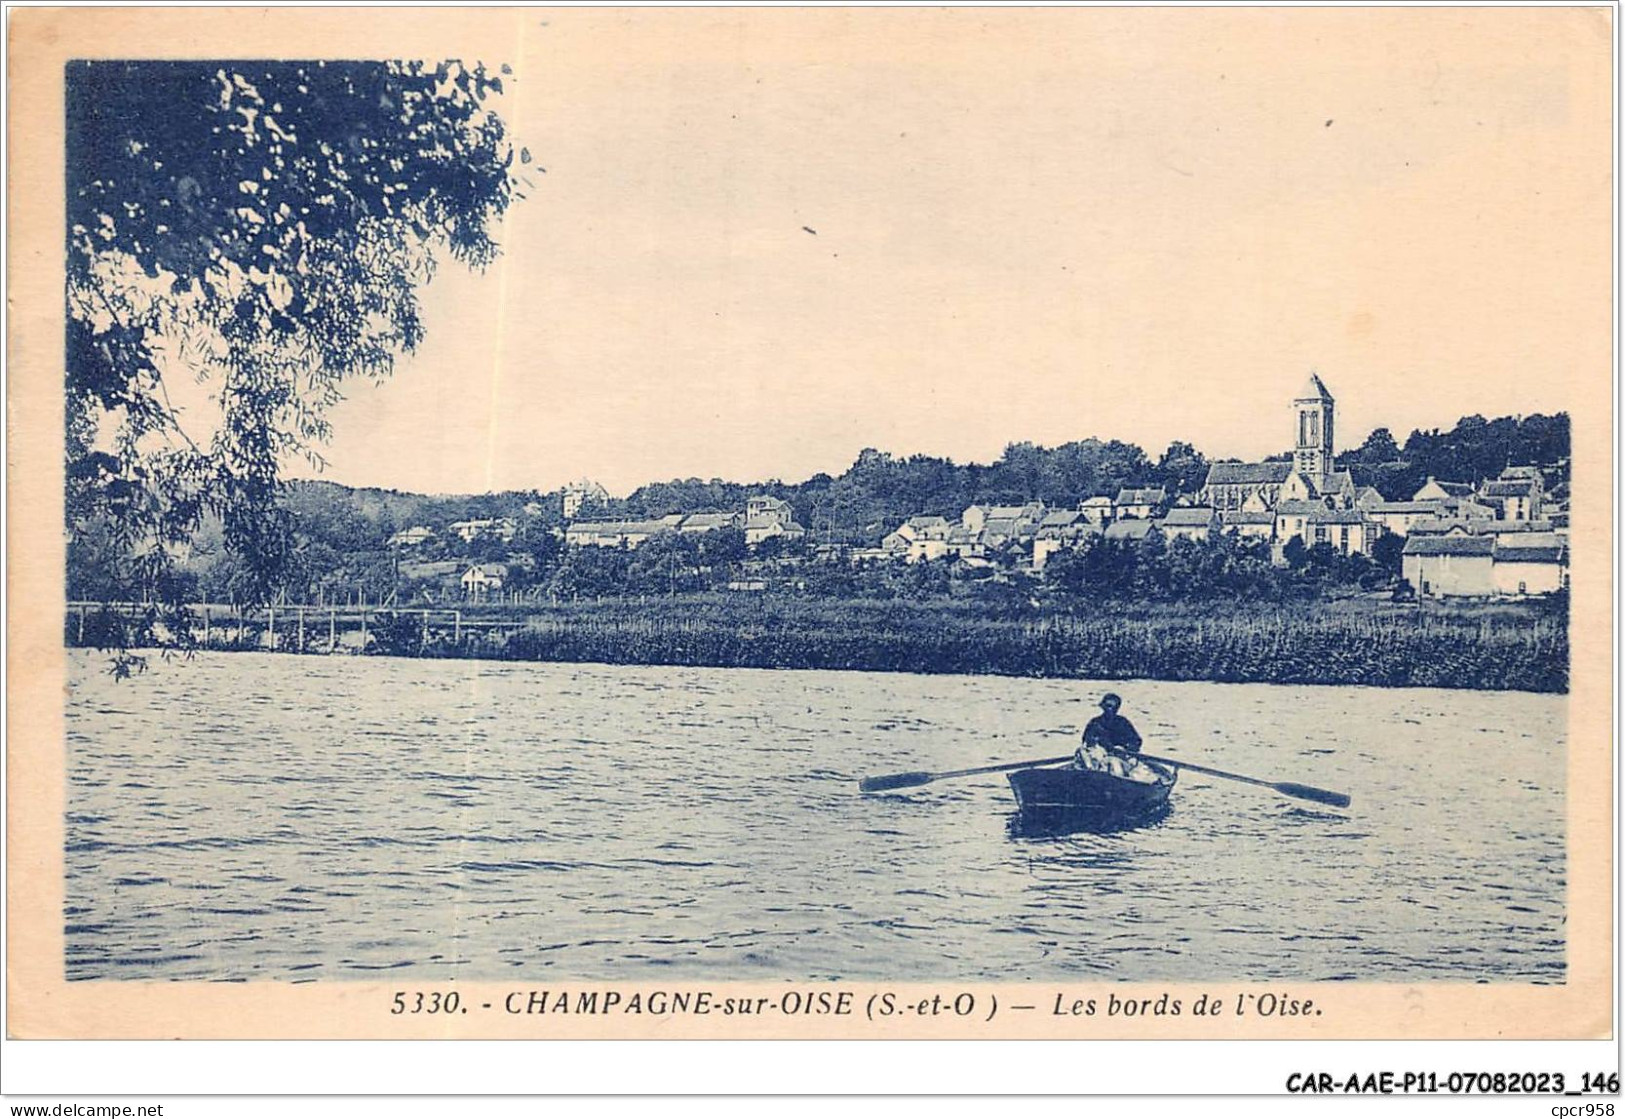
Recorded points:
1312,451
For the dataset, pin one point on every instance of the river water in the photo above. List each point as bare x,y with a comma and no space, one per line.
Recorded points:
258,816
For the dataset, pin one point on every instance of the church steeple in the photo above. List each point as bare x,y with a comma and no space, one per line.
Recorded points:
1313,448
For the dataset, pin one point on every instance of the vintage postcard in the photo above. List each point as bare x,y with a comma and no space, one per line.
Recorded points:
811,523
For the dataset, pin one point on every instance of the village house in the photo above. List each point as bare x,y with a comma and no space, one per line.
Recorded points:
1346,530
1292,519
1480,564
1139,502
1314,522
965,543
1013,517
999,531
899,539
708,522
501,528
1096,510
1435,490
1132,531
482,580
1457,564
612,534
1516,495
577,494
767,517
1367,497
918,538
1530,563
1400,517
1063,528
412,537
1249,524
1188,523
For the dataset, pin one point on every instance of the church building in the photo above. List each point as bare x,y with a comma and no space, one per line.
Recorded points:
1256,487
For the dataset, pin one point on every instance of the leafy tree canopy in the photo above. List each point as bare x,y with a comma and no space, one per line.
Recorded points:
264,229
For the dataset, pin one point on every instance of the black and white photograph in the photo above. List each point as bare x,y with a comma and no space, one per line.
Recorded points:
760,518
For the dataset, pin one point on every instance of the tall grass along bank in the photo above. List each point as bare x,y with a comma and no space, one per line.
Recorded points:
1363,643
1304,645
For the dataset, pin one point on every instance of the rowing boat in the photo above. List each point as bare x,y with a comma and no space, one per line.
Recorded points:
1106,797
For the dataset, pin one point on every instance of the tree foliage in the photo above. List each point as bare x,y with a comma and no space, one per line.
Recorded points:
265,230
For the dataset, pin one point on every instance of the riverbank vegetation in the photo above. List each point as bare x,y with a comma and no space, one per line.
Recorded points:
1361,640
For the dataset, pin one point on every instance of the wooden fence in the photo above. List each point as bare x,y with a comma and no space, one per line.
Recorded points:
300,627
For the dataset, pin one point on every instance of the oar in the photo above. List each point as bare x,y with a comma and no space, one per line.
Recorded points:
920,777
1285,788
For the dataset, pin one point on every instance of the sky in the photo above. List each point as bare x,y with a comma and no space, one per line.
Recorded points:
765,240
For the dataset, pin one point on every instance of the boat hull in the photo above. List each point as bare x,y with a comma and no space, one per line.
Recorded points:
1071,799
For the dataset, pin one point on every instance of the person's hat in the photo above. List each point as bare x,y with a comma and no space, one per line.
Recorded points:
1112,700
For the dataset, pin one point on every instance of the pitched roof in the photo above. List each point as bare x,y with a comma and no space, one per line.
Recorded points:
1298,508
1127,530
1060,518
1499,527
490,570
1523,551
1404,507
1247,473
1097,500
1439,526
1313,389
1141,495
617,528
1454,489
1518,488
1449,546
1324,516
1072,531
1516,541
1244,517
709,520
927,522
1189,517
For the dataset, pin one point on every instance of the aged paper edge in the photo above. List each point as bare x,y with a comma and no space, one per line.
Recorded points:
41,1004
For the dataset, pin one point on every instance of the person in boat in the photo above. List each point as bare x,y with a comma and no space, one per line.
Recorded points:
1111,729
1110,740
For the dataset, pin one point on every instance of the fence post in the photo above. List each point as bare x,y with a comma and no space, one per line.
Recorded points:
457,627
425,639
82,623
332,630
363,629
271,625
301,629
205,625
